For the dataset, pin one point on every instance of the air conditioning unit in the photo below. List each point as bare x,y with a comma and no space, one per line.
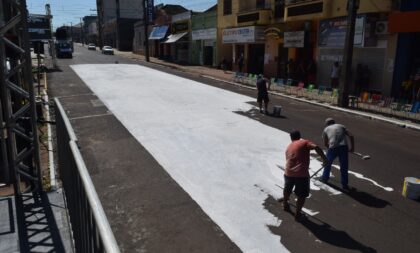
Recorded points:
381,28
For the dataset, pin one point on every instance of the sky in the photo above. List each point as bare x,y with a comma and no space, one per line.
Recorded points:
70,11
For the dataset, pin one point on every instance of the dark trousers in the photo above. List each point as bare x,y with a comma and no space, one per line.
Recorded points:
343,155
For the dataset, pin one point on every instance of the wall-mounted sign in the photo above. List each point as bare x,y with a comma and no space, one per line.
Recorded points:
294,39
332,32
249,34
204,34
150,10
180,27
182,16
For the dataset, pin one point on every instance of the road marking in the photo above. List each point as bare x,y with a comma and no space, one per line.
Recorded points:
76,95
91,116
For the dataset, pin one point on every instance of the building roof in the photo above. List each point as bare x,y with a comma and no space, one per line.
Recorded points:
172,9
211,9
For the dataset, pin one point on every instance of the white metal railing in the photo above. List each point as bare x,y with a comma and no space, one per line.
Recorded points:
90,226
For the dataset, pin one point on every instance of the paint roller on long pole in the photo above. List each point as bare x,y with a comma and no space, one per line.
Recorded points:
364,157
316,172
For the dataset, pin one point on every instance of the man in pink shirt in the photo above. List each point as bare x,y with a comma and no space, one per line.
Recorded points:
296,174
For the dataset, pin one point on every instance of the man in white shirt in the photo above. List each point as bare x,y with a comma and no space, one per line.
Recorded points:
335,139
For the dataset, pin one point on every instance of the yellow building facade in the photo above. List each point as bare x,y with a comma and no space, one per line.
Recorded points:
269,33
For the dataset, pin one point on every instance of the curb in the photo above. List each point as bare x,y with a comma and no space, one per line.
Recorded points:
399,123
371,116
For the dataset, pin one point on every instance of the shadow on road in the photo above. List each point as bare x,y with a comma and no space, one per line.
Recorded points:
296,238
38,231
363,198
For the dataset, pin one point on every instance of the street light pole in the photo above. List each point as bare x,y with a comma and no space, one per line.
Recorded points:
146,24
117,27
81,32
343,97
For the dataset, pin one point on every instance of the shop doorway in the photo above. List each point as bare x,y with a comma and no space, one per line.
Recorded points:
256,58
208,55
283,57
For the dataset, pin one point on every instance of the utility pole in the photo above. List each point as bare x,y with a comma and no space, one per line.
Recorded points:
81,32
71,30
146,24
117,26
99,3
51,42
343,97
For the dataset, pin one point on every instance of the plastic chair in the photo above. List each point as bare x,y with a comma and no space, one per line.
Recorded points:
334,96
300,88
320,93
310,90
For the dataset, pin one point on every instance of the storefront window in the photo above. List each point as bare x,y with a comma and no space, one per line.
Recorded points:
227,7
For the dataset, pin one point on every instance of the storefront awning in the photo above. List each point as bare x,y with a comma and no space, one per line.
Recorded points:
401,22
158,32
175,37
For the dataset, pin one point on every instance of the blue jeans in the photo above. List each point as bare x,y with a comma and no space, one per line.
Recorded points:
343,156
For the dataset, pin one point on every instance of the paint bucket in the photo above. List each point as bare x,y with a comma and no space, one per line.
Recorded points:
277,111
411,189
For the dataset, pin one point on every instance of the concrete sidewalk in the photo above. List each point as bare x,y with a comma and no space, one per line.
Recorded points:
226,76
29,226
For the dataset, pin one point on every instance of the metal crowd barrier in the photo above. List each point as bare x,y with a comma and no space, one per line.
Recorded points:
90,227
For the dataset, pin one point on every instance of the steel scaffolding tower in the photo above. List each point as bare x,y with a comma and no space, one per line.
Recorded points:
20,160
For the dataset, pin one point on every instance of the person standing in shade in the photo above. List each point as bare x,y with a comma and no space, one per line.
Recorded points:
263,93
296,174
241,62
335,139
335,75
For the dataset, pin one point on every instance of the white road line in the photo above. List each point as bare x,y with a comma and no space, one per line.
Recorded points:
91,116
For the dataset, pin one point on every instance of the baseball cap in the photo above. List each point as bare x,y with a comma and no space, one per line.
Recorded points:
329,121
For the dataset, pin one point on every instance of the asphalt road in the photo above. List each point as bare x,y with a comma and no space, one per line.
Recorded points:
149,211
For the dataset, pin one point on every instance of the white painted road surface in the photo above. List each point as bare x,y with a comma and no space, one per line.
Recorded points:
227,163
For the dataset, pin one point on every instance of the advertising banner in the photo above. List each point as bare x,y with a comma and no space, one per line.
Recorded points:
332,32
294,39
150,10
204,34
249,34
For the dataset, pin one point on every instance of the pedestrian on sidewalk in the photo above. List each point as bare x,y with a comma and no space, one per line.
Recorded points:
296,174
335,75
335,139
263,93
241,62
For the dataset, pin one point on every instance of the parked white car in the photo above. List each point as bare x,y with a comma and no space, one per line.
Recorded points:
107,50
91,46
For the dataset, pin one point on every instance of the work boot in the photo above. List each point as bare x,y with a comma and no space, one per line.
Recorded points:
286,207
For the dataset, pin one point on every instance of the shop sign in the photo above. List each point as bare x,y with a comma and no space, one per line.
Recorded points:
294,39
249,34
180,27
332,32
150,10
204,34
181,16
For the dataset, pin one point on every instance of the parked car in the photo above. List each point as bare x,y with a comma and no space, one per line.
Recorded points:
107,50
91,46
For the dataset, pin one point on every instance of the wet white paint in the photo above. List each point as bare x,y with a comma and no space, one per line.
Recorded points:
360,176
216,155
